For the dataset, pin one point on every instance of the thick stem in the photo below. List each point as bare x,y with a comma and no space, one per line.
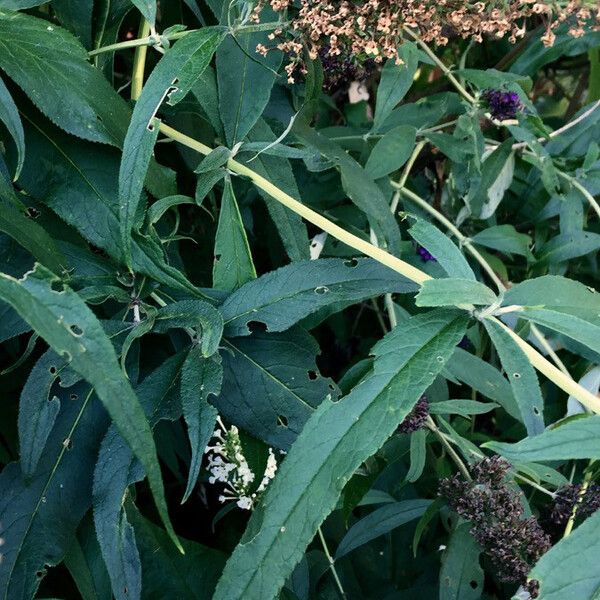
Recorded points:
139,63
537,360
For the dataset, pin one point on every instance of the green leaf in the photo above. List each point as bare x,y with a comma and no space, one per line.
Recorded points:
79,183
568,246
504,238
567,570
283,367
497,173
52,68
28,233
361,188
38,409
577,438
283,297
76,15
452,292
396,80
336,440
117,468
72,330
200,377
418,455
391,151
464,408
40,513
380,521
449,257
483,377
173,77
9,115
233,266
522,377
461,576
167,574
147,8
278,171
245,80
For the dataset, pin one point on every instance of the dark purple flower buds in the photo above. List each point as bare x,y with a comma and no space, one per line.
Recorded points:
570,496
425,254
503,105
514,544
415,419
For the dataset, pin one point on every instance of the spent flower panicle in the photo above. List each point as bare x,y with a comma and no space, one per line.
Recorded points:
571,496
374,28
228,465
417,418
513,543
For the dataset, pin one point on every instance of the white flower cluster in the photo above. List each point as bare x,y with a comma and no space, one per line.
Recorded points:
227,464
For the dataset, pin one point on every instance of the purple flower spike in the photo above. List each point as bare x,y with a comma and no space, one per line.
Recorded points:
503,105
417,418
425,254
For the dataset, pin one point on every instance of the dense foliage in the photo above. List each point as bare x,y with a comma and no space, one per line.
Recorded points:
297,299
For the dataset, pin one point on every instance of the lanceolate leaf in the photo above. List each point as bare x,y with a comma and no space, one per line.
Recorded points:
72,330
52,68
233,264
200,378
281,298
147,8
567,570
9,115
579,438
338,437
522,377
40,512
380,521
172,79
452,292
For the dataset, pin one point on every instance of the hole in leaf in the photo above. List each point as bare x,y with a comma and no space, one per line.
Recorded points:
256,326
32,213
74,397
217,257
76,330
536,410
52,370
40,574
517,375
352,262
282,421
473,584
312,375
322,289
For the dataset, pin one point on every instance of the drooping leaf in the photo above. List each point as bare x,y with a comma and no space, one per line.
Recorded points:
200,378
9,115
521,375
116,469
76,15
233,264
171,79
380,521
338,437
281,298
72,330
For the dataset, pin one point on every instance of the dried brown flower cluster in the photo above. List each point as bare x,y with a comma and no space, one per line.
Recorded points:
375,28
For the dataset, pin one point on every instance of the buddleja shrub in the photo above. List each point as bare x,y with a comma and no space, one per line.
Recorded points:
297,299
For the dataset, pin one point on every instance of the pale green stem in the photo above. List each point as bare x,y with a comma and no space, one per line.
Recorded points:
580,188
416,275
331,563
447,72
431,425
139,63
